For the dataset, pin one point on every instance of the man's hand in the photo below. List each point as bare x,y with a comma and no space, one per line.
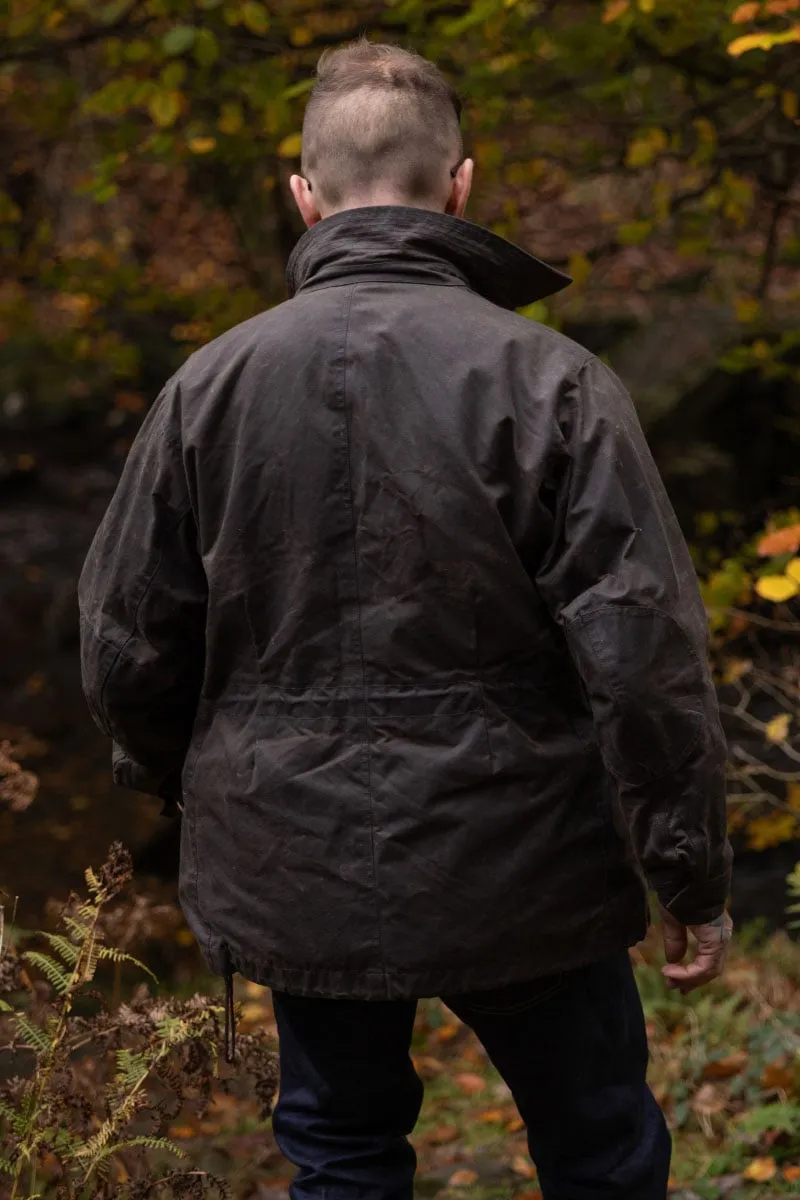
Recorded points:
708,962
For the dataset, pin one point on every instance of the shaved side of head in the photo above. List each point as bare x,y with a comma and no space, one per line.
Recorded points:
380,120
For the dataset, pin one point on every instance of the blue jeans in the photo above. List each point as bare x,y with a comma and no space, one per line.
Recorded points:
572,1048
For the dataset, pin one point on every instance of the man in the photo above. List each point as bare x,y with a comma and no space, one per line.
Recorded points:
392,596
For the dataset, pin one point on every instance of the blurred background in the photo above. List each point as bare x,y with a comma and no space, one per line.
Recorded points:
651,148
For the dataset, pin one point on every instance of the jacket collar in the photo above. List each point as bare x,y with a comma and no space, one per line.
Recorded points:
391,241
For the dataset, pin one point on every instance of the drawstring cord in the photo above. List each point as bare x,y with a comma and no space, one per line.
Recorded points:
230,1019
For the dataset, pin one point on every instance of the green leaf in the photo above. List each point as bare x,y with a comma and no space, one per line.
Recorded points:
63,946
784,1118
164,107
206,48
298,89
178,40
255,17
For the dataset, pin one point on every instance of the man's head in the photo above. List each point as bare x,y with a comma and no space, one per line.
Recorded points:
381,127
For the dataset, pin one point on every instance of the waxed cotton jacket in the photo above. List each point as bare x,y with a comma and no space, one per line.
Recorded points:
390,600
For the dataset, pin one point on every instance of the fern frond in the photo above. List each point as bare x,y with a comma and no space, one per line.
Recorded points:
78,929
35,1038
63,946
5,1006
6,1167
52,969
14,1118
149,1143
92,882
131,1067
114,955
87,963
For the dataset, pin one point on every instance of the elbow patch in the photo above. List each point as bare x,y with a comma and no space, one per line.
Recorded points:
648,689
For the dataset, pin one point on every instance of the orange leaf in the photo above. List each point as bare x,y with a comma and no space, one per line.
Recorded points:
614,9
515,1125
726,1068
760,1170
447,1033
440,1135
492,1116
776,1076
521,1165
745,12
463,1178
528,1194
182,1131
469,1083
427,1067
780,541
791,1174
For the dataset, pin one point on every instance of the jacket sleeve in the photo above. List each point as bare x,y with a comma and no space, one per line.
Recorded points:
142,597
619,580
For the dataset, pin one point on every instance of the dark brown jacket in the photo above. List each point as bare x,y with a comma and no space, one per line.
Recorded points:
392,592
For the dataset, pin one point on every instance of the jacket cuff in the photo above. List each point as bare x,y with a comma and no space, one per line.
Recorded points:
137,778
696,903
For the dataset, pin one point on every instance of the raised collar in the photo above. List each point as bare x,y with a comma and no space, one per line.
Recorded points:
396,242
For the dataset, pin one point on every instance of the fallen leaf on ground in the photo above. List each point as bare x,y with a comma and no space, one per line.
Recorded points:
440,1134
426,1066
463,1178
469,1083
776,1076
446,1033
528,1194
727,1067
760,1170
492,1116
791,1174
523,1166
515,1125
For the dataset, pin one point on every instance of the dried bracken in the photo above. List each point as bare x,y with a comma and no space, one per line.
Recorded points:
98,1086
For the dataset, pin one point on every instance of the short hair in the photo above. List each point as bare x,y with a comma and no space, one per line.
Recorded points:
379,114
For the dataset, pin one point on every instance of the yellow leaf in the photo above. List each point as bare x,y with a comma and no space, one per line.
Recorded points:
773,829
776,588
745,12
645,148
579,268
789,105
793,797
747,309
763,41
735,668
201,145
740,45
291,146
760,1170
614,9
793,569
777,730
165,107
301,35
647,6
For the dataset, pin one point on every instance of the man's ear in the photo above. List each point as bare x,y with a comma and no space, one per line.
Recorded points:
305,200
459,192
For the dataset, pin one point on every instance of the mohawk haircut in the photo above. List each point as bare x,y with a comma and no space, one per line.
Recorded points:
380,115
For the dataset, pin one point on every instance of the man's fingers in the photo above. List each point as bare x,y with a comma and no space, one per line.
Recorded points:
675,942
704,968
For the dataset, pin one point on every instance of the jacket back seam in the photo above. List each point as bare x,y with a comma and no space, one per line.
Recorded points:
360,637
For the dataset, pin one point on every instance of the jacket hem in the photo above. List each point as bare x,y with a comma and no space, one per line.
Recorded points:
377,983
